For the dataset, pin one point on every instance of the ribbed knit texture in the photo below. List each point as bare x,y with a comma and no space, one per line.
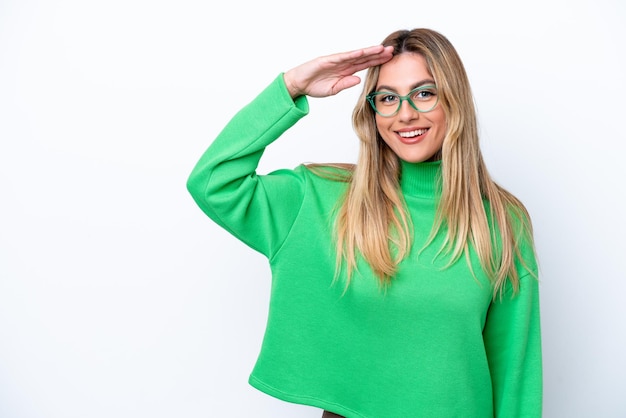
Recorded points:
432,345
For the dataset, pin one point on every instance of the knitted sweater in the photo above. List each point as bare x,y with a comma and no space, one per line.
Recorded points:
433,344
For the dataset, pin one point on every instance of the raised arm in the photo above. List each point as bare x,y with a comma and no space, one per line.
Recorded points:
259,209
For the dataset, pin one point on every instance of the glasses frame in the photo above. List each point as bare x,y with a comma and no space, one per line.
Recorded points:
370,98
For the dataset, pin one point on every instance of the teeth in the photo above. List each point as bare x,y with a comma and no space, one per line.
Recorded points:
412,133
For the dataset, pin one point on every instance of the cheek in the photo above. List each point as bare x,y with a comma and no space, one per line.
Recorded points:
439,119
380,122
383,125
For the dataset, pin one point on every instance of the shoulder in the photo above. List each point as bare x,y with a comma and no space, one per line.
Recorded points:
524,240
312,176
327,181
511,226
337,172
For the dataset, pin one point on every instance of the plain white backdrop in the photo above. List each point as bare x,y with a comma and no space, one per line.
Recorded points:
119,298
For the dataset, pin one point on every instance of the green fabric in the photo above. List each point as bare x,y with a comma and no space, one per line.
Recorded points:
434,344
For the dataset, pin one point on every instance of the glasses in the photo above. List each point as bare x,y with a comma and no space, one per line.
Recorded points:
386,104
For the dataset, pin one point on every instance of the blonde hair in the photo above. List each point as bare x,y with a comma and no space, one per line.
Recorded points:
373,221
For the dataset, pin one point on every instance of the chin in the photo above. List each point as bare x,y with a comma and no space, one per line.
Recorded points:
418,158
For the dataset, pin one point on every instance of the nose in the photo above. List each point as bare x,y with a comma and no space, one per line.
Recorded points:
407,112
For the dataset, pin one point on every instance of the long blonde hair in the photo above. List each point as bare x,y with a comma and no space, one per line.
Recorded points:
373,221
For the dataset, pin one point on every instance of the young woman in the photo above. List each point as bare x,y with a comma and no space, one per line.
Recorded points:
404,285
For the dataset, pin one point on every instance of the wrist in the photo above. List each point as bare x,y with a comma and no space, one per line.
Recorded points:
291,87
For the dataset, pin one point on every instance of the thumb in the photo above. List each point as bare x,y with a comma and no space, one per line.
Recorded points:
345,83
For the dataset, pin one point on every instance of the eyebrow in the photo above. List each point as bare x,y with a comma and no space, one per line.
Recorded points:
414,86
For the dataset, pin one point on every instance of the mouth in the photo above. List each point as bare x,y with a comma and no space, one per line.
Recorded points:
412,136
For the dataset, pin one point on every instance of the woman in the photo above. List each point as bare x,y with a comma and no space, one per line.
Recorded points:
405,285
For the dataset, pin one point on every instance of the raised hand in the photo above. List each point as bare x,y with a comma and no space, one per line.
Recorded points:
328,75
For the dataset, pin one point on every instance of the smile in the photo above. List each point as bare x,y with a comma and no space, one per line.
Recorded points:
412,134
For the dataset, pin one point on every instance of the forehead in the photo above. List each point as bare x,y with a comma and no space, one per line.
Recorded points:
403,70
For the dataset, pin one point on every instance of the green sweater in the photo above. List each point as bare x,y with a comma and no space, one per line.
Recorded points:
434,344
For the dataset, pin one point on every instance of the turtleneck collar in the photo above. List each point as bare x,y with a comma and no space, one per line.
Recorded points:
420,179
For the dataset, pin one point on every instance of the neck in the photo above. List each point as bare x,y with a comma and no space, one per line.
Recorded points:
420,179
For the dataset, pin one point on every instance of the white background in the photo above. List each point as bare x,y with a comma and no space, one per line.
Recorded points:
119,298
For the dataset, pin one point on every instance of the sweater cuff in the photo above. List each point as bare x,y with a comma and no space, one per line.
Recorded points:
301,102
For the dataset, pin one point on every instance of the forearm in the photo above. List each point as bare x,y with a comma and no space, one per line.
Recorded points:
513,343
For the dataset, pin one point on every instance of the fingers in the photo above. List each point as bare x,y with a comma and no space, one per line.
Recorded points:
359,59
373,54
370,62
345,83
369,52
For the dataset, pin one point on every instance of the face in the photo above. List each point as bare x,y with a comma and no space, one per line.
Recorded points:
413,136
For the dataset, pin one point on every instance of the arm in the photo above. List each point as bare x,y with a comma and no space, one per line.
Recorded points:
512,338
259,209
224,182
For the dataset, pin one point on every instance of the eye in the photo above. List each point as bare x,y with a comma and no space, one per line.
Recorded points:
387,99
424,94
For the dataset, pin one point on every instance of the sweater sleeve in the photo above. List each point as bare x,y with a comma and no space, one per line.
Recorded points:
257,209
512,337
